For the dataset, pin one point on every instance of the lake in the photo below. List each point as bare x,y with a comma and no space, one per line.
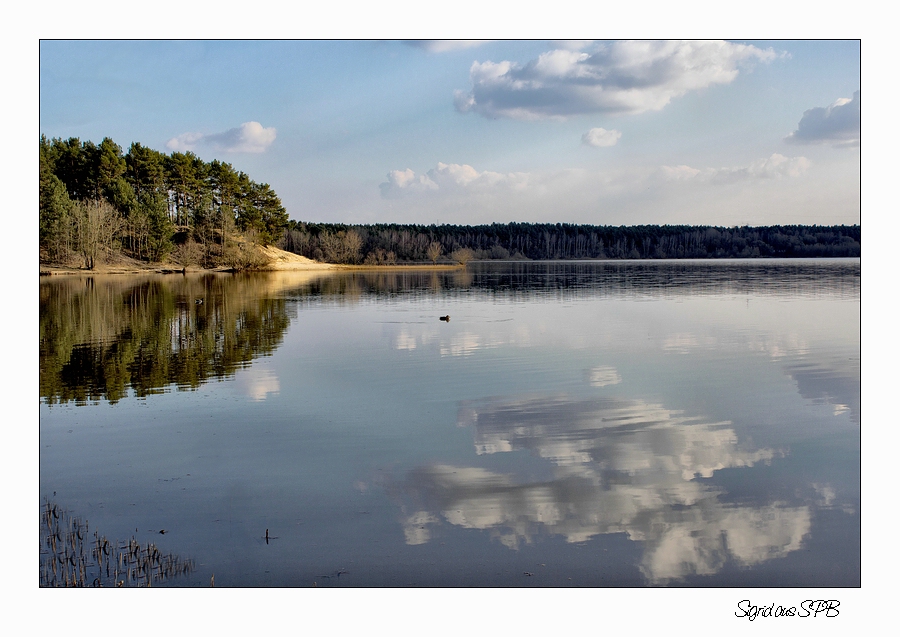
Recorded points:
584,424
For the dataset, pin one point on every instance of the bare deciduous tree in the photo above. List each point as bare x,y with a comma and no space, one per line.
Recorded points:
97,224
352,246
341,247
434,251
462,255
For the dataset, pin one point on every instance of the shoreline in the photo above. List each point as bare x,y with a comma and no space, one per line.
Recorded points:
315,266
58,270
277,261
282,261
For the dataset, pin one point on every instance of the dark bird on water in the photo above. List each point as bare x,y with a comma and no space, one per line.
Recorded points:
445,318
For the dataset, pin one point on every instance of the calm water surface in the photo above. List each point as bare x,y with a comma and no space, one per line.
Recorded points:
572,424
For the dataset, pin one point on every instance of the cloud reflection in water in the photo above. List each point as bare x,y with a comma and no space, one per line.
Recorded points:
619,466
830,383
257,383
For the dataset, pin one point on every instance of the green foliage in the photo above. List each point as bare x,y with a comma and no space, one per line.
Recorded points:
110,166
120,194
156,197
145,170
55,209
261,210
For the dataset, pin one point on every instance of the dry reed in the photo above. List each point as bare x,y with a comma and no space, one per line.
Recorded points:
65,563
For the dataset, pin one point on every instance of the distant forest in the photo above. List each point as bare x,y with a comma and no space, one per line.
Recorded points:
394,243
98,202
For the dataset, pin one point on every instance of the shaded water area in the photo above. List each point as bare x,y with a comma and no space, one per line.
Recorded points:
646,423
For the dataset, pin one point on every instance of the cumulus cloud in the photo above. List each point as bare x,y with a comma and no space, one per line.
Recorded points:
442,46
601,138
448,177
617,78
249,137
838,124
185,141
402,181
776,166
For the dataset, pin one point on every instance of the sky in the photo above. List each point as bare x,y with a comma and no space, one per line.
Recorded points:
473,131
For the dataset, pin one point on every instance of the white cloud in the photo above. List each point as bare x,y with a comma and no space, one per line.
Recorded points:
601,138
185,141
249,137
678,173
776,166
838,124
403,181
449,177
443,46
622,77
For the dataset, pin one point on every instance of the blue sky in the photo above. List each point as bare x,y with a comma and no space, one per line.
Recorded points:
605,132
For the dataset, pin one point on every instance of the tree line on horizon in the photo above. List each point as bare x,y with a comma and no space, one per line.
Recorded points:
399,243
96,201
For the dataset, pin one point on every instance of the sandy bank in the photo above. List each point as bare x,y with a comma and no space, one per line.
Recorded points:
278,261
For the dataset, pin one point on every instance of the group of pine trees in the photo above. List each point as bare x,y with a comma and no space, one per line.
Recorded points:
96,200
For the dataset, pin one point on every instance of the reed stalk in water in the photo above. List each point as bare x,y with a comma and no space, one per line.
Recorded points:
63,546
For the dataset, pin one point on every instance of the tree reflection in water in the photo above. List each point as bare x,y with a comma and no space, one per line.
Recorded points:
101,337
